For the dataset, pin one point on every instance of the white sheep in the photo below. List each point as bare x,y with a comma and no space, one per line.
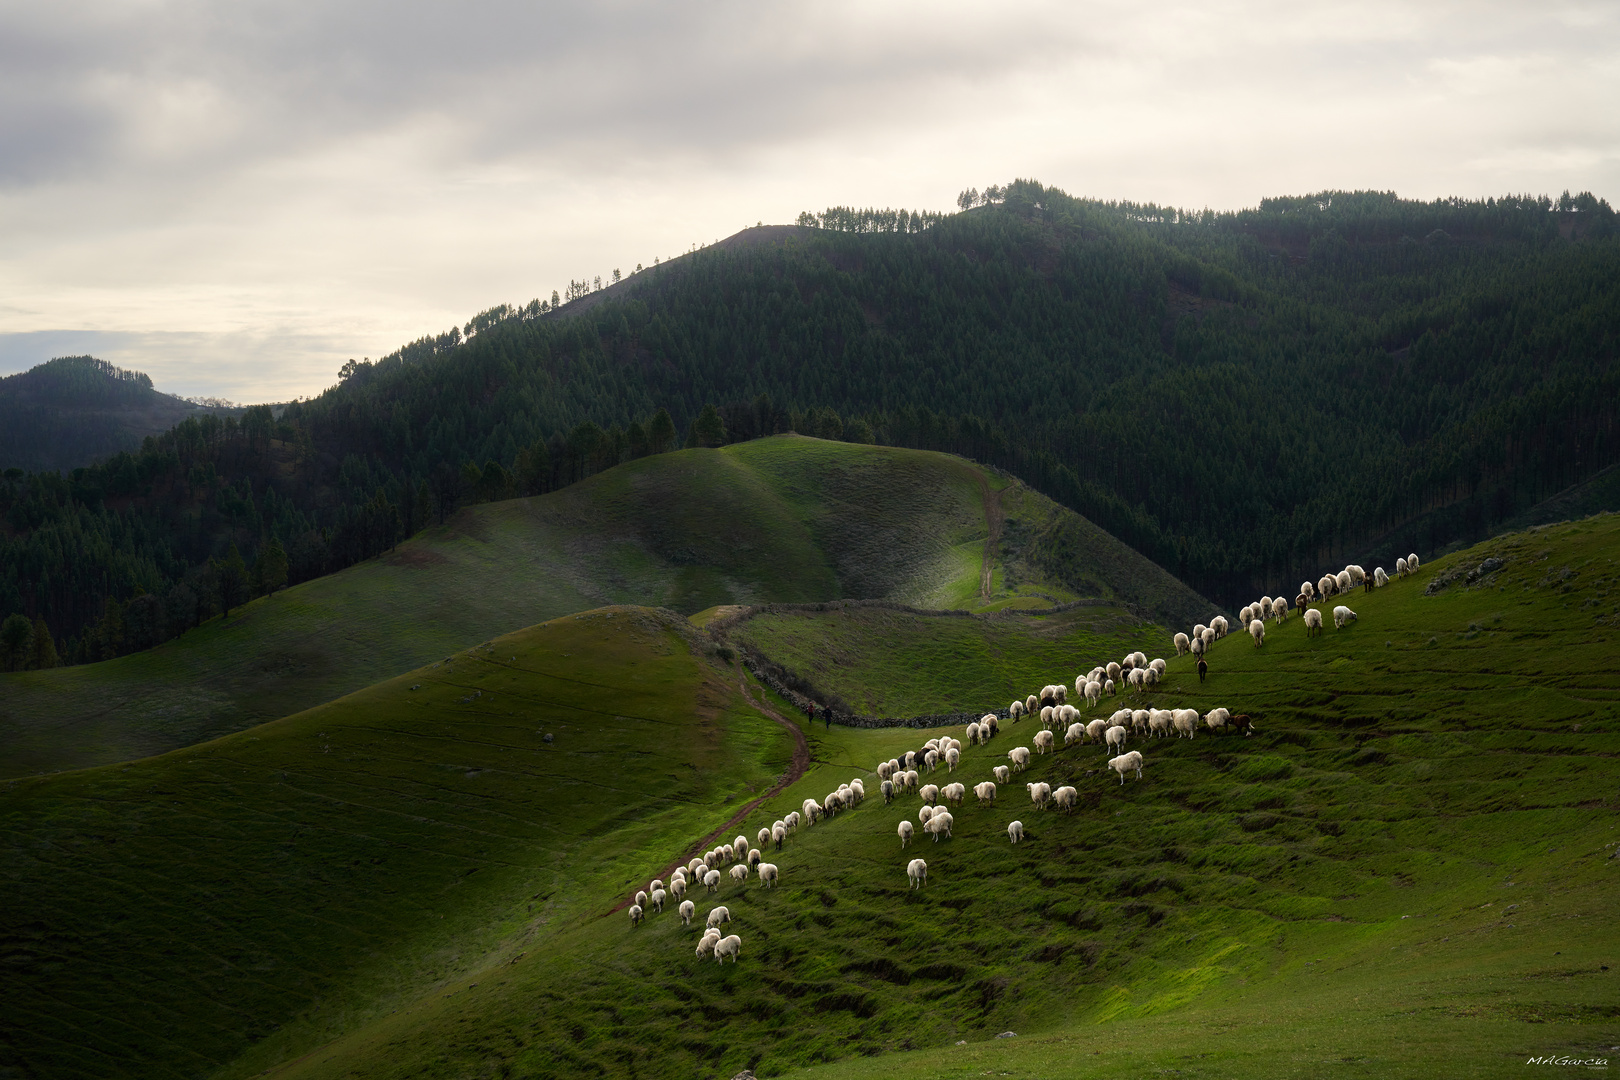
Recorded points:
696,867
973,733
1043,742
1113,670
1208,637
885,770
1075,733
1185,721
1094,693
924,813
1380,579
886,789
1307,590
913,778
1108,687
635,914
940,825
1257,630
1139,720
1159,723
811,810
931,760
1313,622
778,834
1341,581
929,793
739,872
1279,609
1199,647
717,915
1358,576
740,846
658,900
1115,736
769,874
1216,719
1342,615
1039,793
1219,624
917,873
1400,567
1095,729
1198,630
641,897
1246,616
953,757
711,880
727,946
792,821
705,945
859,789
1015,831
905,834
1066,798
986,792
1015,711
1326,586
677,887
764,836
1263,608
1124,763
755,857
1019,756
1046,715
1158,664
687,910
1412,562
954,793
1002,773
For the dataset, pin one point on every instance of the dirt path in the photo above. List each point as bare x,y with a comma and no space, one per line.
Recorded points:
801,764
992,540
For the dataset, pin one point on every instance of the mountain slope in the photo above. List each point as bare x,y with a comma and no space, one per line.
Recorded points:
783,519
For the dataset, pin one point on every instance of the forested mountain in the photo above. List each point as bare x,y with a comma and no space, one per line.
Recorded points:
1245,397
76,410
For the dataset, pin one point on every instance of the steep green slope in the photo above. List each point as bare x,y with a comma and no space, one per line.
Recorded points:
1406,872
260,894
782,519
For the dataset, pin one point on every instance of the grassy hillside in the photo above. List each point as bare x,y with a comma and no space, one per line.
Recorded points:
252,897
783,519
1407,872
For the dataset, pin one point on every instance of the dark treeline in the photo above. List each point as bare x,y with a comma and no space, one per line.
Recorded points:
1246,398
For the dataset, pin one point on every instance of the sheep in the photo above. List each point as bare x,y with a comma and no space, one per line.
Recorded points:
832,804
954,793
1125,763
778,834
711,880
1342,615
731,946
1113,671
811,809
705,945
635,914
1246,616
1040,794
696,868
1159,723
1412,562
658,900
1068,714
1183,643
929,793
1279,609
717,915
1108,687
1199,647
1219,624
1313,622
739,872
1357,574
769,874
1198,630
764,836
1019,755
931,760
886,789
952,757
1135,679
885,769
1138,720
1031,704
1075,733
939,824
986,793
677,887
989,727
1342,581
641,897
1046,716
1115,736
1139,658
687,910
792,821
657,883
1094,693
1015,711
926,812
913,778
1380,579
1400,567
1095,729
1185,721
1060,693
1158,664
1066,798
1326,586
1263,608
1001,773
905,834
1216,719
973,733
1257,630
1208,637
859,789
917,873
909,759
755,857
1043,742
1307,590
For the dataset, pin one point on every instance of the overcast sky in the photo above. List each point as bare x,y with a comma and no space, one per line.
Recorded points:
238,197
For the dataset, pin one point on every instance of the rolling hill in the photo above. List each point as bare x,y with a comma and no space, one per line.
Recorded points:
1405,871
782,519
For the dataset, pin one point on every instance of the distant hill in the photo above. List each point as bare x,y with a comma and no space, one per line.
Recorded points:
76,410
784,519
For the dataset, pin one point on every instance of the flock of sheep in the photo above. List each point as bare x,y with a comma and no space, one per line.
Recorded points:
905,774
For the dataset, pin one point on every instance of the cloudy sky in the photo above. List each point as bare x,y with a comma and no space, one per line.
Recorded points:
238,197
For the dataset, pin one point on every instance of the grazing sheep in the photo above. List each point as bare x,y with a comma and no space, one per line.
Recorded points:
1307,590
1040,794
1015,711
1313,622
810,808
635,914
917,873
1001,773
988,727
778,834
1066,799
1108,687
658,900
940,825
1357,574
705,945
1115,736
727,946
1158,664
886,789
1095,729
1199,647
1246,616
1186,726
926,812
769,874
1067,714
1113,671
1019,755
1125,763
1257,630
641,897
973,733
1031,705
1216,719
1326,586
1380,579
739,872
1263,608
1183,644
930,793
764,836
687,910
885,769
1341,581
1208,637
913,778
1043,742
986,792
954,793
905,834
677,887
696,867
1046,716
1342,615
1400,567
952,757
792,821
755,857
1219,624
1242,722
832,804
1279,609
717,915
1075,733
711,880
859,789
931,760
1198,629
1135,678
1094,693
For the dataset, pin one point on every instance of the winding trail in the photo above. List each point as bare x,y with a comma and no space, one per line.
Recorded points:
800,765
